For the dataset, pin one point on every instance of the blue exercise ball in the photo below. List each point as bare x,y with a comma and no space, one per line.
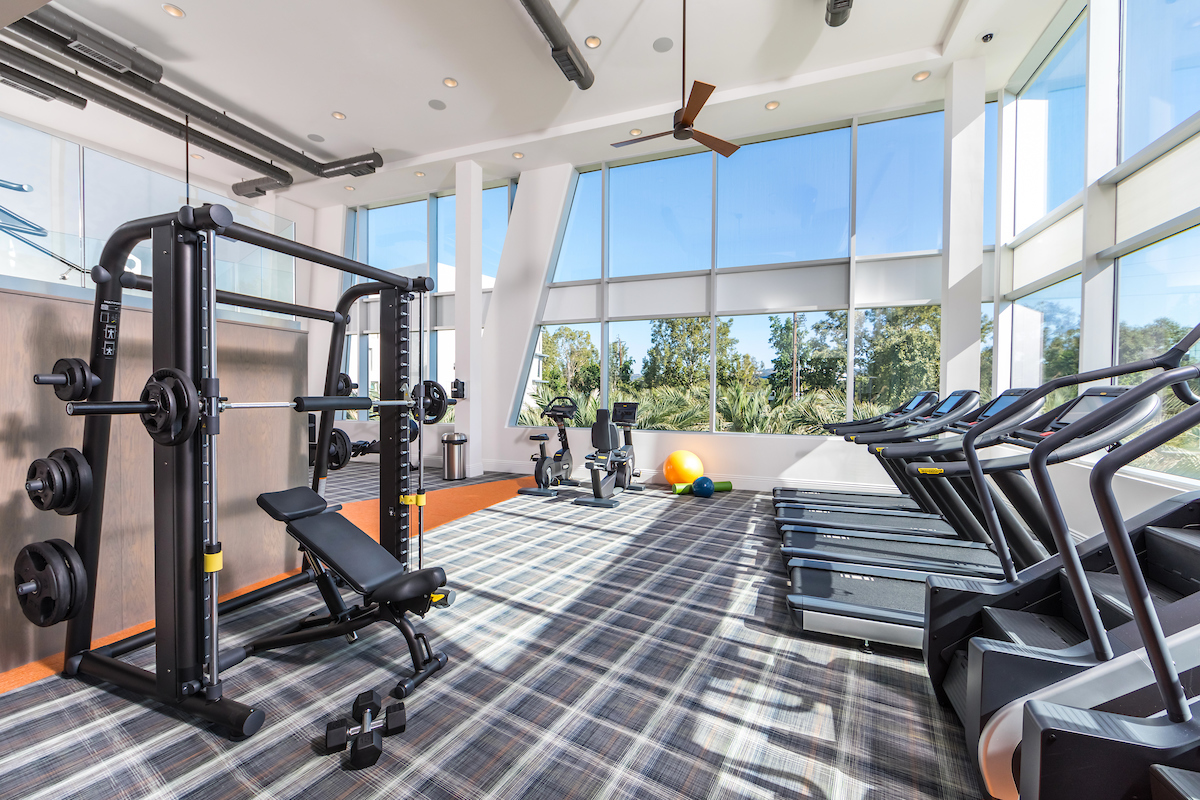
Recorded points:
702,487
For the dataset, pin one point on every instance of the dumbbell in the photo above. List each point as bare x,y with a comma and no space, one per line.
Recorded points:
366,737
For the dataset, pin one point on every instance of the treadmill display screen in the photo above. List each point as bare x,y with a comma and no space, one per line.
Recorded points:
916,401
947,404
1086,405
999,404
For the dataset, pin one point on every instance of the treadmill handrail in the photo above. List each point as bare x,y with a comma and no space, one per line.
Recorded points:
869,420
920,430
1149,626
1168,360
891,419
1038,461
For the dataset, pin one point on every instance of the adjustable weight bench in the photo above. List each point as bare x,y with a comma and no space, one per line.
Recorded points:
337,547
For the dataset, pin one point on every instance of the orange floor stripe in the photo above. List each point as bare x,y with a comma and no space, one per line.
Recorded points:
442,506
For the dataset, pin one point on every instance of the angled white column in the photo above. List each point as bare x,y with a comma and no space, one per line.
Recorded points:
1100,202
962,225
468,308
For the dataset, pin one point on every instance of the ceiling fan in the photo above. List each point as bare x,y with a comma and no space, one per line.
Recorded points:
684,118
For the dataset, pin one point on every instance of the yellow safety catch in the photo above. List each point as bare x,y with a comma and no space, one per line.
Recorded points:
408,499
213,561
852,438
930,470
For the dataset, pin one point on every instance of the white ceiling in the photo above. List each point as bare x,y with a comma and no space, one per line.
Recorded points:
284,65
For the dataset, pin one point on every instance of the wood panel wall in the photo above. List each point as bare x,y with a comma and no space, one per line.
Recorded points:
257,451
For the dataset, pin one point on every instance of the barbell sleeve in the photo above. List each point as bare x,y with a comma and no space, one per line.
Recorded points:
336,403
51,379
115,407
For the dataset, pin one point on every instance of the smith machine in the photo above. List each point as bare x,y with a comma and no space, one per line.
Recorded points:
180,408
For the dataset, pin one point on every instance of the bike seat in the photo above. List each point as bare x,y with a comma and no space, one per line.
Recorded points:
540,437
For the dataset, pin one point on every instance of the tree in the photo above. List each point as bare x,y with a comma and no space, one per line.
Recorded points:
572,361
820,354
986,351
678,354
620,365
899,352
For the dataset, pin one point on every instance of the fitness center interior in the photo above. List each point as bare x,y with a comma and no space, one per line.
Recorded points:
578,399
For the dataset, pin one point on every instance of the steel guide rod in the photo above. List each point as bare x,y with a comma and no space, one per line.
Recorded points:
208,443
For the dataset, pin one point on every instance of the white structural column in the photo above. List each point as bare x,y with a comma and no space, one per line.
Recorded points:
468,308
962,225
1006,152
1100,202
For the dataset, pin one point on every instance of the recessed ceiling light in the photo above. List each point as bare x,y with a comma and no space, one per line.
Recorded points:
174,11
922,75
592,42
450,82
349,188
662,45
771,106
635,132
197,156
419,174
338,115
437,105
518,155
316,137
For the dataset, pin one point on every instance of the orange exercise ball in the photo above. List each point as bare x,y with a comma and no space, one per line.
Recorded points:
682,466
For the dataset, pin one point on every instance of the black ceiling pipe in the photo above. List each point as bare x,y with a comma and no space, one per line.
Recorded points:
96,46
15,57
38,88
56,37
562,49
837,12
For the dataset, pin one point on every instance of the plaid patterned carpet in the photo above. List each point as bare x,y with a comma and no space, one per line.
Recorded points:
642,652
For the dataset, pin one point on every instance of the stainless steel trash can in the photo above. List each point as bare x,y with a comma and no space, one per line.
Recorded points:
454,464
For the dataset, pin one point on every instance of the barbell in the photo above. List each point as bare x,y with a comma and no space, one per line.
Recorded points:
170,406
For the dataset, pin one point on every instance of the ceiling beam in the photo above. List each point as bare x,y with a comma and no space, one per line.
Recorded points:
13,10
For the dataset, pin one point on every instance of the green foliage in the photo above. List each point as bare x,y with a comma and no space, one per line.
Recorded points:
820,354
572,361
899,352
987,329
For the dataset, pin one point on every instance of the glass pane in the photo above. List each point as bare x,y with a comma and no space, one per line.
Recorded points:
897,353
785,200
987,349
759,391
1050,130
441,362
566,361
444,280
663,365
989,174
1158,295
661,216
579,256
1046,338
116,192
495,226
39,205
899,195
397,238
1161,73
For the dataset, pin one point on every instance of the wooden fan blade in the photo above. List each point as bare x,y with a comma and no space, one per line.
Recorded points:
642,138
713,143
701,91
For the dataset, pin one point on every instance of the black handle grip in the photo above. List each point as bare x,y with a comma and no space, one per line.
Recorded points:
333,403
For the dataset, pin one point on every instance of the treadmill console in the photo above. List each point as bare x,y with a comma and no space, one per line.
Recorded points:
1085,404
624,413
1006,399
952,401
921,397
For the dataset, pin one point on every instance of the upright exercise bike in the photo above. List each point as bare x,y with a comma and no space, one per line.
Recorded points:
552,471
612,465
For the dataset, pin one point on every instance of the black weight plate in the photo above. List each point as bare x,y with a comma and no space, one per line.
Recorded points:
179,412
436,403
50,473
414,430
80,473
42,563
79,579
79,383
339,449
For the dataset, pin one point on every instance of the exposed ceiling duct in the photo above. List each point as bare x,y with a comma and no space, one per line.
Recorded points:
837,12
49,28
40,89
60,78
562,49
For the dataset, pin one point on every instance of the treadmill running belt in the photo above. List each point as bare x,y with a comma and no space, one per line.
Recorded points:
865,520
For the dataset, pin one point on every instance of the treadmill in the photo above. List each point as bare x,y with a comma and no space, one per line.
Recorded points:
907,551
920,403
957,407
887,604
